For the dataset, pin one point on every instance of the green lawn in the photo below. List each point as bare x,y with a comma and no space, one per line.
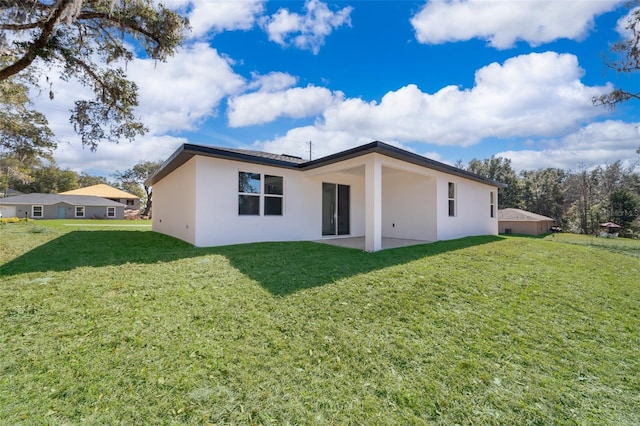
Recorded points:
125,326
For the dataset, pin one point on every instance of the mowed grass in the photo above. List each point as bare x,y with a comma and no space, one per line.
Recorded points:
126,326
615,245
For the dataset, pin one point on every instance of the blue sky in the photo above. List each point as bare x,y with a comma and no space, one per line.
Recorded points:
451,80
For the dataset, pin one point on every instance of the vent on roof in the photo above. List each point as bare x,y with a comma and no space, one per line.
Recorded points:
292,156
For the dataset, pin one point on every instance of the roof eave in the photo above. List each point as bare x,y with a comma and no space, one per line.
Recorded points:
188,151
399,154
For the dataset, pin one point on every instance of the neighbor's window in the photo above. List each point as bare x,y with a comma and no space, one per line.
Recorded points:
492,203
273,195
130,202
79,211
452,199
249,193
36,211
111,212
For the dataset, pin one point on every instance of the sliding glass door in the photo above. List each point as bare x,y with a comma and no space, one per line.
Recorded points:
335,209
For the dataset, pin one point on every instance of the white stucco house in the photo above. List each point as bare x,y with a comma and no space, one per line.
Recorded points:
211,196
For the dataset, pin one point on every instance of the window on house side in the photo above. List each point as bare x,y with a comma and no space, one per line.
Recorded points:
249,194
273,195
252,194
111,212
36,211
79,211
492,203
452,199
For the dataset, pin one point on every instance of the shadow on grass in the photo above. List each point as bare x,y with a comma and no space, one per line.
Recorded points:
281,268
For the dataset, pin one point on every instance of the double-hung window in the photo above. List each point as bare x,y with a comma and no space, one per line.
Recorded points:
452,198
111,212
79,211
273,195
36,211
260,194
249,189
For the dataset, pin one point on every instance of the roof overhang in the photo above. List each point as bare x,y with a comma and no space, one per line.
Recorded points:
188,151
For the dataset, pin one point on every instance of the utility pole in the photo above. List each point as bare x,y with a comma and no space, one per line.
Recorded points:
310,146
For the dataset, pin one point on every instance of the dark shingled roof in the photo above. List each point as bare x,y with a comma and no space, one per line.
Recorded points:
187,151
51,199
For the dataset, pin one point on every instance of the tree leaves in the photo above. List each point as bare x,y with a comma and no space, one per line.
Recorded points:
88,40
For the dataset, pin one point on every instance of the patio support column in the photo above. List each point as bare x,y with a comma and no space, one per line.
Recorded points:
373,204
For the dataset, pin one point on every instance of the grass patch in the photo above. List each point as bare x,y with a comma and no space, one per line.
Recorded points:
626,246
125,326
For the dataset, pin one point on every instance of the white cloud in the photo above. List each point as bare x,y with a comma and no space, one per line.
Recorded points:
324,142
595,144
264,107
503,23
111,157
272,82
306,31
178,94
535,95
216,16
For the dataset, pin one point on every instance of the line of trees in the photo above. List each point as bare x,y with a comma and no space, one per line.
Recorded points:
579,200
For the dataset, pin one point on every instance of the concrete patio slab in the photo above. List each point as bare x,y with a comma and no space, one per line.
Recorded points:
358,242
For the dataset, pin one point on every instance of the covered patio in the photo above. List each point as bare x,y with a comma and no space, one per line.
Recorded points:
389,203
359,242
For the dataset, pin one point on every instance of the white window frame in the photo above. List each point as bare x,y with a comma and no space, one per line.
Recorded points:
33,211
450,199
75,211
262,195
252,194
113,209
265,195
492,204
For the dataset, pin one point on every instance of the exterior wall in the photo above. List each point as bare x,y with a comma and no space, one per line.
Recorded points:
473,216
219,223
51,211
174,200
526,227
198,202
408,206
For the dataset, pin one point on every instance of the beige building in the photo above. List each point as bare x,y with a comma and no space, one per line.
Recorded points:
132,202
516,221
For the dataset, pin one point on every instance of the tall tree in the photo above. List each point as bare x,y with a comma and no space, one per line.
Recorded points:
499,169
136,177
48,179
24,133
89,41
626,59
623,208
542,192
582,200
85,179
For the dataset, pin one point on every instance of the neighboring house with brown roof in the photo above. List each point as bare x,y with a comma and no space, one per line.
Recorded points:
211,196
516,221
59,206
110,193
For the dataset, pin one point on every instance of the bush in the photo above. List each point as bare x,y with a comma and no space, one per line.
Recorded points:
9,220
